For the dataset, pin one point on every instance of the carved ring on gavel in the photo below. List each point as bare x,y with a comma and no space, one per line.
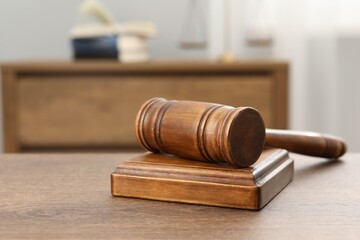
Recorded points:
219,133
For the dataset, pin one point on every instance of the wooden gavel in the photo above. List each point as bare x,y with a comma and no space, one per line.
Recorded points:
219,133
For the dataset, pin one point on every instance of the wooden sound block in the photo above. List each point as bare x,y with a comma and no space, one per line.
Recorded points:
169,178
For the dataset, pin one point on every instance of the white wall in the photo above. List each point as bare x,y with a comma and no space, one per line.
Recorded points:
324,62
348,61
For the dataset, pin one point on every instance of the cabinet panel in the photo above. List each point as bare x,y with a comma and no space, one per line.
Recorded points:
85,111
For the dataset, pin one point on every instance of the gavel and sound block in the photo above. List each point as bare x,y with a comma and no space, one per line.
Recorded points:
213,154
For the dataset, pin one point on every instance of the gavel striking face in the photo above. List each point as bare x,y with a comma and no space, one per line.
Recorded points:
219,133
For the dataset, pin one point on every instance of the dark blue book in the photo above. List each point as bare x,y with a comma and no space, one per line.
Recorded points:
100,47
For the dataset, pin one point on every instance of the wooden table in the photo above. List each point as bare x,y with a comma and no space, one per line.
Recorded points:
68,197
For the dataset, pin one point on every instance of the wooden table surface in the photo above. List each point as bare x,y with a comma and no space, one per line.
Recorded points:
68,197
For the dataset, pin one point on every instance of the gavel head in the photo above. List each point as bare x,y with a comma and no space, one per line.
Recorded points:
201,131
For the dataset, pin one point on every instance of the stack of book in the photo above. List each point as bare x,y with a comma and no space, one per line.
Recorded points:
132,49
108,39
126,42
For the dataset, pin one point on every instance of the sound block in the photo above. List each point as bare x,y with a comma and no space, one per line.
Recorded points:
169,178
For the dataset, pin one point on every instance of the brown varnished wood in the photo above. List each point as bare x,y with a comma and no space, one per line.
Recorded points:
67,196
218,133
100,112
11,141
168,65
91,105
308,143
201,131
168,178
281,85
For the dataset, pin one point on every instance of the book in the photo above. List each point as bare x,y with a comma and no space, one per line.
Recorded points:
100,47
132,43
132,49
108,42
106,38
134,57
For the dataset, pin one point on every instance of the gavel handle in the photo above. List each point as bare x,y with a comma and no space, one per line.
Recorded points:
307,143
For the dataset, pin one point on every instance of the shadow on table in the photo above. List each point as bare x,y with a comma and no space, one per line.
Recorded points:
318,166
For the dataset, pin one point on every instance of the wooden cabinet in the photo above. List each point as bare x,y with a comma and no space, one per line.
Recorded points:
64,106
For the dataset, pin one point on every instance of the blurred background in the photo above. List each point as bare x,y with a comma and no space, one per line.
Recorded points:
320,40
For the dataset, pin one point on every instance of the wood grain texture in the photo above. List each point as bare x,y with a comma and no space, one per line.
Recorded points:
68,197
168,178
218,133
281,93
11,142
201,131
92,104
93,111
308,143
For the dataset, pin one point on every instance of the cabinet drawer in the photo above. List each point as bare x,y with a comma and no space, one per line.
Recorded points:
99,111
